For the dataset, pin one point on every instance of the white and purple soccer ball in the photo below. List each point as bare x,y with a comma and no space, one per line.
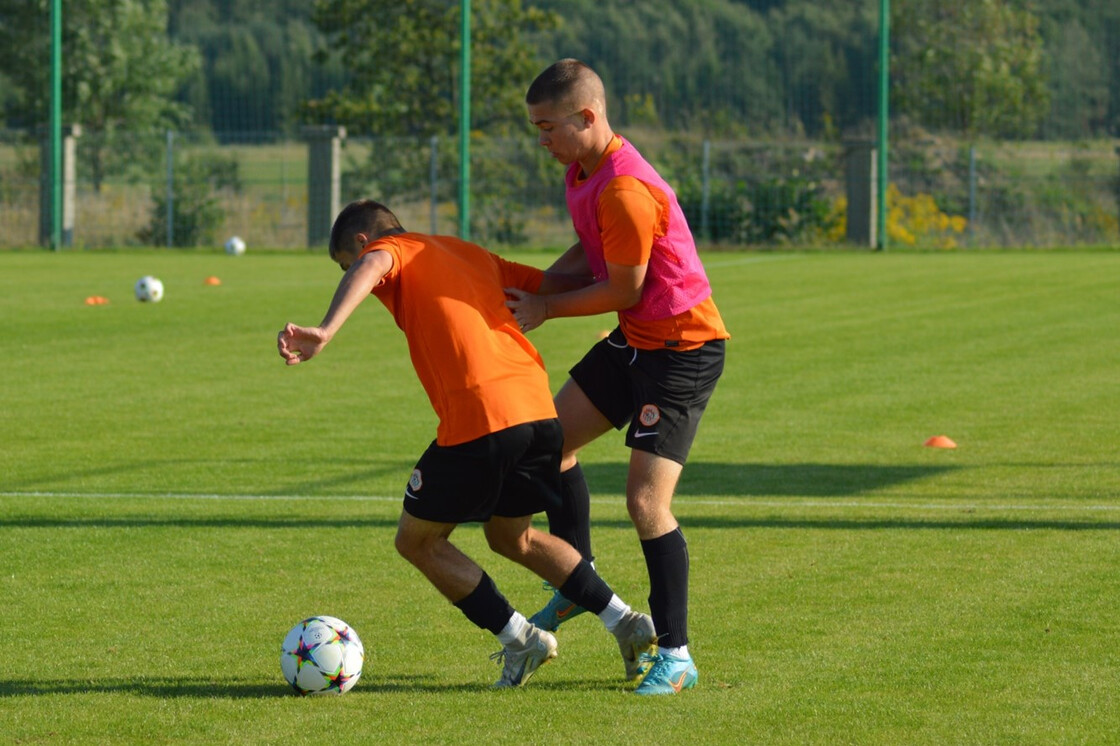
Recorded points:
235,246
322,655
149,289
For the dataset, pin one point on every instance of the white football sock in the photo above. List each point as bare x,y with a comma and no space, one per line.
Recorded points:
515,630
614,612
681,652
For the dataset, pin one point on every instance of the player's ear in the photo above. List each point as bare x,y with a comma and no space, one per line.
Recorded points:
588,116
360,241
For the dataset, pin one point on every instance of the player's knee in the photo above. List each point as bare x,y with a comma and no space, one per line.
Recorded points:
511,546
408,546
637,507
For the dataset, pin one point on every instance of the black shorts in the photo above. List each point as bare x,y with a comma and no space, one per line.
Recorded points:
510,473
661,393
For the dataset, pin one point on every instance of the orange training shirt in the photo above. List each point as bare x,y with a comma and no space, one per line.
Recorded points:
480,372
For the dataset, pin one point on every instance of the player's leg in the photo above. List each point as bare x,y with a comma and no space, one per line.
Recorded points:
582,422
524,648
458,484
649,495
426,546
594,400
530,484
559,563
672,390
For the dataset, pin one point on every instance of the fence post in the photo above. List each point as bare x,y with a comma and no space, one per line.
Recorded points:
1118,189
860,181
433,177
170,188
69,186
705,193
972,207
324,180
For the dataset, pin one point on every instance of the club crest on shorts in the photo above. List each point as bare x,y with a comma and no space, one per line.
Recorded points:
416,481
650,415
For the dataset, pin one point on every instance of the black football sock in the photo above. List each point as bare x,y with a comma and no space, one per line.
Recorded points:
572,520
586,588
667,564
486,606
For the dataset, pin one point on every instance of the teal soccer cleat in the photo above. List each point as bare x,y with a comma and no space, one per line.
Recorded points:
669,675
557,611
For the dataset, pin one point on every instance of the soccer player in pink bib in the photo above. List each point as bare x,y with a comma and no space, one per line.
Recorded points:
653,374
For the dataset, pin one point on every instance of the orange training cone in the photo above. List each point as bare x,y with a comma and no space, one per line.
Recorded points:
96,300
941,441
212,280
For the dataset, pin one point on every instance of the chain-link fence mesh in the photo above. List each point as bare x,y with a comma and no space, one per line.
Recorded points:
750,110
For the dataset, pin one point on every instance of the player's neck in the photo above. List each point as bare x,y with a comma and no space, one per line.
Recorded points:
590,163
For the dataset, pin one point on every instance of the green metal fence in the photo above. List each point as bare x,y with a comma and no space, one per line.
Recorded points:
753,110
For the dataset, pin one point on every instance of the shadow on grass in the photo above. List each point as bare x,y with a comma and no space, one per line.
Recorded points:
775,480
169,688
298,522
728,481
699,478
341,473
967,521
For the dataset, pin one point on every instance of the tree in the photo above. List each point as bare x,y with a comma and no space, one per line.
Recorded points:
1078,84
120,72
976,67
403,63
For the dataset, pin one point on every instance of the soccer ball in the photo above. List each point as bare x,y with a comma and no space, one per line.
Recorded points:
322,655
149,289
235,246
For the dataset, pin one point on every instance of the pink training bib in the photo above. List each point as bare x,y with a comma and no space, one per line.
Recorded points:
675,279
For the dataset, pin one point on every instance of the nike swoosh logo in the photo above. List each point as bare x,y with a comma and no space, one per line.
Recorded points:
679,682
638,434
409,494
564,613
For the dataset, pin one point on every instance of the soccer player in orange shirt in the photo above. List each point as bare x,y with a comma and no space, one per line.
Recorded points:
655,373
496,455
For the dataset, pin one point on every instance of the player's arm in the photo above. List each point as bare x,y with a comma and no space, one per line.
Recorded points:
570,271
572,262
523,277
299,343
556,282
628,217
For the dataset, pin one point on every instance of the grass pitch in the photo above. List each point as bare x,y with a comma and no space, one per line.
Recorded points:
173,499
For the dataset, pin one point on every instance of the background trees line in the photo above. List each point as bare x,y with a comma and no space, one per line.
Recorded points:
774,84
239,68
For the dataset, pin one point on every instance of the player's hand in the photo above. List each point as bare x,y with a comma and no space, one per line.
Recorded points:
529,310
300,343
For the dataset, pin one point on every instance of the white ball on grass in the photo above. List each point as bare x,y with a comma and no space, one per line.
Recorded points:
149,289
322,655
235,246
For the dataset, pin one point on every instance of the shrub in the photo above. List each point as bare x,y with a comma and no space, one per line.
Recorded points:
196,211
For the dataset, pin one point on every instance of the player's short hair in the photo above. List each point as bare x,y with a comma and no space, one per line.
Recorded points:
566,81
362,216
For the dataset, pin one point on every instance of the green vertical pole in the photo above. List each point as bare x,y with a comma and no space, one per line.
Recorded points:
465,122
55,134
884,117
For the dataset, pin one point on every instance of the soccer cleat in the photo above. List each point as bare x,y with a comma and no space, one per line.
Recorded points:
520,660
557,611
637,641
669,675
